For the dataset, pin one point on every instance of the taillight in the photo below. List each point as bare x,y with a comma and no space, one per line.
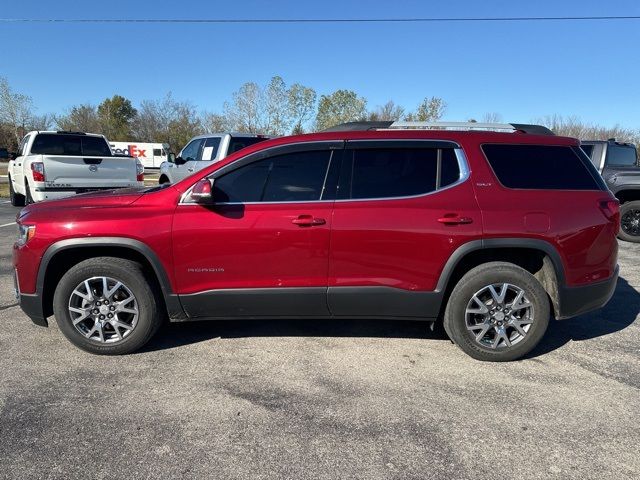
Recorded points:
37,168
611,209
139,171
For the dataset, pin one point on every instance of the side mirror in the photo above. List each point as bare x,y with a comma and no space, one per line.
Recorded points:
179,161
201,191
171,158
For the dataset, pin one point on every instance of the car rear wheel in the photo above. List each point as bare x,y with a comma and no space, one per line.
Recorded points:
104,306
630,222
17,200
497,312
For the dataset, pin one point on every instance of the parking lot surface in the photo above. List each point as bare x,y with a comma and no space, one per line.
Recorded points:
316,400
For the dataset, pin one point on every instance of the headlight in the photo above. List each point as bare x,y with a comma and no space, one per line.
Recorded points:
25,233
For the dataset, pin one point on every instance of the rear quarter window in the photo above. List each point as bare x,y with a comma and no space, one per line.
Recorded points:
542,167
621,156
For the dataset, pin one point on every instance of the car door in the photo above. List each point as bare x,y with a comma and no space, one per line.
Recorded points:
190,155
403,208
261,247
17,173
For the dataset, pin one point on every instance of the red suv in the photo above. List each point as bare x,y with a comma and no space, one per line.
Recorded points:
491,232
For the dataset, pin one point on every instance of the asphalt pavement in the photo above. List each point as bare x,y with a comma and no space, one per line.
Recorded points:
321,400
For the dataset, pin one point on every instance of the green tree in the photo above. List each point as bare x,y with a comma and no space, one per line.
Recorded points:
80,118
431,109
302,104
339,107
116,116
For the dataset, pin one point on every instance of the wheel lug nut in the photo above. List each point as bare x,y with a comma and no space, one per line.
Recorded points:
101,317
109,315
112,308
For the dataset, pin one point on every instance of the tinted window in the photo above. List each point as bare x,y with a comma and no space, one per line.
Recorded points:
294,177
389,172
210,150
540,167
192,150
588,149
449,169
71,145
621,156
238,143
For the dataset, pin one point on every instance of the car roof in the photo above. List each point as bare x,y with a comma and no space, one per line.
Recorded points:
233,134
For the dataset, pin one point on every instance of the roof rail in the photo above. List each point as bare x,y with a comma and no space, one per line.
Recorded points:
459,126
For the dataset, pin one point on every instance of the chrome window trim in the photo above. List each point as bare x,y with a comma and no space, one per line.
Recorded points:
463,165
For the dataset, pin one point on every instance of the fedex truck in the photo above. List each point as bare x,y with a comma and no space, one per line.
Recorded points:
151,155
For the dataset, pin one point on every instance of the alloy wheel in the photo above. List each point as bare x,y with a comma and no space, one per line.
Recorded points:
630,222
499,316
103,309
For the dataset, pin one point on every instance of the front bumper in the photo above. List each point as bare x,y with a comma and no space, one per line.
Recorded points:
31,304
575,301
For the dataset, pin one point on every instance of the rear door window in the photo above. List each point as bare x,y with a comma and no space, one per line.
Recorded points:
381,173
238,143
210,150
542,167
621,156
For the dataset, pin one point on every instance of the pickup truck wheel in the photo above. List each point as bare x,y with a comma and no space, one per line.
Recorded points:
27,190
17,200
104,306
497,312
163,179
630,222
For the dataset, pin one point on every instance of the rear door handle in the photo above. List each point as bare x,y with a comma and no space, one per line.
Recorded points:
308,221
453,219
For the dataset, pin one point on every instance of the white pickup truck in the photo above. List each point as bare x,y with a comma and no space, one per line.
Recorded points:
59,164
202,151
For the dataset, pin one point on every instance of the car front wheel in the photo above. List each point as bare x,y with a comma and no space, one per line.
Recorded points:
104,306
497,312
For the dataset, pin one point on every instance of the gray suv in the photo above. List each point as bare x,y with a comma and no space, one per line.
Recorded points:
618,164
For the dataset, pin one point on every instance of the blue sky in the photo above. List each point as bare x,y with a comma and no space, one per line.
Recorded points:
521,70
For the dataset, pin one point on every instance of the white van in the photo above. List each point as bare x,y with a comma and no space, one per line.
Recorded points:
151,155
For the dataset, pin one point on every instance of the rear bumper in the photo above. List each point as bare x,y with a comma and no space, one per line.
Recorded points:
578,300
41,193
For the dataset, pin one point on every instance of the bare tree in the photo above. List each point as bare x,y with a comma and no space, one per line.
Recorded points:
573,127
276,97
167,121
214,122
16,110
245,112
389,112
492,117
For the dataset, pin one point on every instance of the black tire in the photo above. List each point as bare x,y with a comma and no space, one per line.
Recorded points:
163,179
473,283
17,200
27,191
131,274
629,215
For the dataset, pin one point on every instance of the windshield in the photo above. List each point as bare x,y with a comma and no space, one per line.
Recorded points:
70,145
621,156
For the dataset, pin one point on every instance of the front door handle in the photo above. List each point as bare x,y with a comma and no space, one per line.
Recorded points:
454,219
308,221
